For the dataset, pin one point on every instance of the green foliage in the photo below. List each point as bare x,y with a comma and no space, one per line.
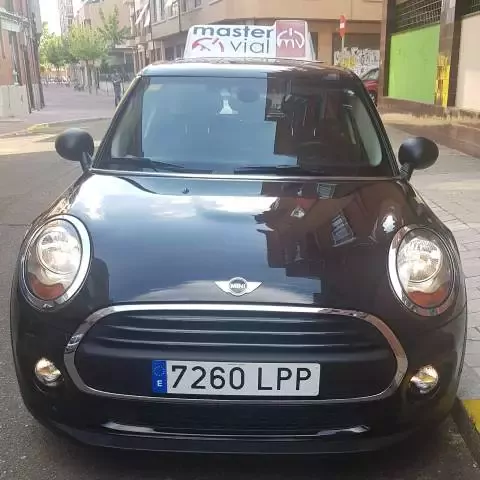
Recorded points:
85,43
111,30
52,49
70,58
44,38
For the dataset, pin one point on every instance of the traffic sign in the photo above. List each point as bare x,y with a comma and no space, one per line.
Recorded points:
343,26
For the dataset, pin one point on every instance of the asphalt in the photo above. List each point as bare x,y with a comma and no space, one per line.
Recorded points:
31,177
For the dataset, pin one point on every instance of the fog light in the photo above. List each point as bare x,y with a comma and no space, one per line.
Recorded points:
47,373
425,380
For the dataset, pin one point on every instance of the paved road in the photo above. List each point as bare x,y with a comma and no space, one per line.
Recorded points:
29,181
63,104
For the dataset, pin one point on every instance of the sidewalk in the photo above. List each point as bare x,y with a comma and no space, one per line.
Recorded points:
451,187
63,104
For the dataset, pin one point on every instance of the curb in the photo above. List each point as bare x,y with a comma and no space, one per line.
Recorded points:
467,418
38,126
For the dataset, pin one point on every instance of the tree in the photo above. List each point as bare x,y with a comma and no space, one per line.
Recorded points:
52,50
86,44
41,46
111,30
70,58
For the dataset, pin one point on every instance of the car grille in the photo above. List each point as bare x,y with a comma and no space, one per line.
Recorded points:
115,355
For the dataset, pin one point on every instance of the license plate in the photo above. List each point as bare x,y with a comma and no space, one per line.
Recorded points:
236,379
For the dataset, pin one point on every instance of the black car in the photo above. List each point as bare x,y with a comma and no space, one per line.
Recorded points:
242,267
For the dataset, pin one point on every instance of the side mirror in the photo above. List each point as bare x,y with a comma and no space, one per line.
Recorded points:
76,145
417,153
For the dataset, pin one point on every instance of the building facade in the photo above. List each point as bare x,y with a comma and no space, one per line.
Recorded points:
160,26
65,11
20,83
430,55
89,12
120,58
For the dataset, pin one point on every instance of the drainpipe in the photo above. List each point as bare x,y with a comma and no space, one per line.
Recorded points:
154,53
179,16
35,45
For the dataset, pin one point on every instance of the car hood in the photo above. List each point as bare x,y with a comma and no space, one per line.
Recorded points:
159,239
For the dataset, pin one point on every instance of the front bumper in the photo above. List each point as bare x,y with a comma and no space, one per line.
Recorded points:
246,426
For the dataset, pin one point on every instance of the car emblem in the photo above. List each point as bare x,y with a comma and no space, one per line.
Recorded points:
238,286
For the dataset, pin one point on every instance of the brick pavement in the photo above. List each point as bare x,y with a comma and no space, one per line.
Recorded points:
63,104
452,189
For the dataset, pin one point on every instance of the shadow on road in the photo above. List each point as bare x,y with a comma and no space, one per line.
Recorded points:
439,456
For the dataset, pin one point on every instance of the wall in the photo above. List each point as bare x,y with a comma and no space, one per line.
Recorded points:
327,33
13,101
360,14
35,8
361,54
306,9
413,64
91,11
468,79
6,67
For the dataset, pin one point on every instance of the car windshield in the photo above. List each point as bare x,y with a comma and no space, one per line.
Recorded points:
229,125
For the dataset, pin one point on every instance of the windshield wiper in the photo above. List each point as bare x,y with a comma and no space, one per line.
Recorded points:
278,169
156,165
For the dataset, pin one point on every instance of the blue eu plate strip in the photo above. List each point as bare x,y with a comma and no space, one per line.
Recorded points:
159,376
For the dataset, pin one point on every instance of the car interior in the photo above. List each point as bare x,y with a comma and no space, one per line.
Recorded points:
200,125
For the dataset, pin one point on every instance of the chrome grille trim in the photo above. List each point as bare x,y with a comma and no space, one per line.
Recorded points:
140,430
76,339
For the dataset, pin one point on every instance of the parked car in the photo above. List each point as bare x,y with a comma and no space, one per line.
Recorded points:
242,267
370,80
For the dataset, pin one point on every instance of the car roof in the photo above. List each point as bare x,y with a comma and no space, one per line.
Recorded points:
245,68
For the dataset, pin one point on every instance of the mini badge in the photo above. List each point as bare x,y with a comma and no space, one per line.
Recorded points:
237,286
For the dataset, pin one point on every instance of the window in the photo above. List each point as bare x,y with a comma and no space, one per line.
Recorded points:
159,9
179,49
13,41
230,125
417,13
314,36
170,53
173,9
472,6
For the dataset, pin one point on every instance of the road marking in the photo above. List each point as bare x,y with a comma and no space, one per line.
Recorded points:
473,409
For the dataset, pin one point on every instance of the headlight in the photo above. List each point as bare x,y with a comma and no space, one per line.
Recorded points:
55,262
421,271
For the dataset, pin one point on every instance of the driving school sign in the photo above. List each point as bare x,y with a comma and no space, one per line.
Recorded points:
285,39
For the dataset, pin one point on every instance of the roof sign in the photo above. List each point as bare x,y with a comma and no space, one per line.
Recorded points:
284,39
